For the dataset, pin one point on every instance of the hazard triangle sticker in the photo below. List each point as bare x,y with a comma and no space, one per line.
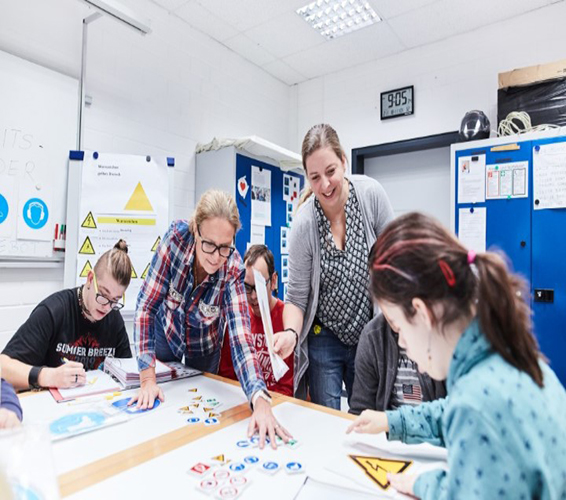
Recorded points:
86,247
86,269
144,274
377,468
134,275
156,244
89,222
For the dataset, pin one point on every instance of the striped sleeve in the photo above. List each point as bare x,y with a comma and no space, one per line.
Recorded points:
236,312
152,293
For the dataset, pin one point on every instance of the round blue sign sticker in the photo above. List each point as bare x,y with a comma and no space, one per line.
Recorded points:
35,213
4,209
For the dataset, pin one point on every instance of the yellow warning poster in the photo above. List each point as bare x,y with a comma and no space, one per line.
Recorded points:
377,468
144,274
86,247
139,200
156,244
89,222
86,269
122,197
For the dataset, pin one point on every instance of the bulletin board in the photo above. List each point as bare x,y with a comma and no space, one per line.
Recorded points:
276,234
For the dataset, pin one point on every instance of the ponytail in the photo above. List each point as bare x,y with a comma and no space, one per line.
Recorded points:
416,256
117,263
505,316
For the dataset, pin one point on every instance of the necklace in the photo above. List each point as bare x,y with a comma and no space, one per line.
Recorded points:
84,310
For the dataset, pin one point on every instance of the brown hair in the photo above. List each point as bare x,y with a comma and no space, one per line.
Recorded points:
416,257
215,203
117,263
319,136
255,252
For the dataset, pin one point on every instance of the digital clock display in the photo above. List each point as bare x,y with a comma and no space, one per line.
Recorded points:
398,102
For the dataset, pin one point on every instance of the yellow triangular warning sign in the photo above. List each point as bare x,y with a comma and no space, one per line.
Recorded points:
139,200
157,242
193,390
197,398
86,247
144,274
86,269
134,275
219,458
377,468
89,221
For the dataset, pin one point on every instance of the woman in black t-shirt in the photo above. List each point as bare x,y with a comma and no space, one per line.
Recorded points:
72,330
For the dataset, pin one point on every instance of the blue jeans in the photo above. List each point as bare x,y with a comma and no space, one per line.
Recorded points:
331,362
207,363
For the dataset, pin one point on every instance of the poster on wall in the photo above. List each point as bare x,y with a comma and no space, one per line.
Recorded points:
134,208
261,196
471,179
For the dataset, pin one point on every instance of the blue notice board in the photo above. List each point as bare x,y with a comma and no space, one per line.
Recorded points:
278,209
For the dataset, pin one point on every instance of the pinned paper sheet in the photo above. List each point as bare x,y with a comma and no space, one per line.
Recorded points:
549,176
471,179
279,366
472,228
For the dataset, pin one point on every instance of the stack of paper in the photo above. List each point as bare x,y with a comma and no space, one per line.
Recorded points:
125,370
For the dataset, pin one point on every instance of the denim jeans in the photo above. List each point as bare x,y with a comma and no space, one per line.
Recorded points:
207,363
331,362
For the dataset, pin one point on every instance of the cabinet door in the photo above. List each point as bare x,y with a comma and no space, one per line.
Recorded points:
508,221
549,274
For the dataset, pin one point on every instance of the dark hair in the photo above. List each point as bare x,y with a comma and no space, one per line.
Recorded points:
117,263
255,252
319,136
416,256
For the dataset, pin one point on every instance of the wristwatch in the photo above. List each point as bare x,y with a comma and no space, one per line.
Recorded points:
33,377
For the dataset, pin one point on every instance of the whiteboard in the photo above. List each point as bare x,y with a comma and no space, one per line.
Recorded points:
38,128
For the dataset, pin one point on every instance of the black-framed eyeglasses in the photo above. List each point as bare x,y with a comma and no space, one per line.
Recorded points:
208,247
251,288
104,301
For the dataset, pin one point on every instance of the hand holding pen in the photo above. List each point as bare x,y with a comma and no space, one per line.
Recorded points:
69,374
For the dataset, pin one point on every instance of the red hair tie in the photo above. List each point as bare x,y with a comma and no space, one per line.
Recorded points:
448,274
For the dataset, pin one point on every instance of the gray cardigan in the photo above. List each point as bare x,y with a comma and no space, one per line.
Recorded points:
304,255
376,370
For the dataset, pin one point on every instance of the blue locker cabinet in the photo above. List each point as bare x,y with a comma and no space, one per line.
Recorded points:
534,240
221,169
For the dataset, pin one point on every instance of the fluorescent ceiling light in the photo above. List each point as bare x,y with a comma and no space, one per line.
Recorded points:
334,18
121,13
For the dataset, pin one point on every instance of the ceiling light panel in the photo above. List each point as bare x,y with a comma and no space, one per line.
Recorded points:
334,18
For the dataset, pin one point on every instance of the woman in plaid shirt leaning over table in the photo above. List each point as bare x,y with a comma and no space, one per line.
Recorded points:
193,293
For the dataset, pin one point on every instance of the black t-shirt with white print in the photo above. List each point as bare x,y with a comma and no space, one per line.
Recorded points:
56,329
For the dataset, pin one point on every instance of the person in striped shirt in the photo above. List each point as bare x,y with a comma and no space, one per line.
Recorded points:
192,296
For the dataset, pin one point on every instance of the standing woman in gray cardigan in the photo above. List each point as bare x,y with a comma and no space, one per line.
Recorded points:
328,302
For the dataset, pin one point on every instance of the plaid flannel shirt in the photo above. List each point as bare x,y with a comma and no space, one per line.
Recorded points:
193,319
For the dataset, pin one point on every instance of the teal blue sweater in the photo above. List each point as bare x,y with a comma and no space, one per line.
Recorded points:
505,436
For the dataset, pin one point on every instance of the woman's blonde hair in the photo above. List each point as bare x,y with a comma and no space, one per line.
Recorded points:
117,263
215,203
319,136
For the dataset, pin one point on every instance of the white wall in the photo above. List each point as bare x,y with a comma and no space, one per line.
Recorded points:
158,94
450,77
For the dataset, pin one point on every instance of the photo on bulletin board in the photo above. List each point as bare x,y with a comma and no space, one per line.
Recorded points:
284,240
284,268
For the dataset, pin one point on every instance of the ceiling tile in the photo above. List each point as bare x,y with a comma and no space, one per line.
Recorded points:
170,5
285,35
356,48
284,72
245,14
388,9
202,19
249,49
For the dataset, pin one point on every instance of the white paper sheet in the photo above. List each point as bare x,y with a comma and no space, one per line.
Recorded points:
257,235
472,228
471,179
261,196
507,180
279,366
549,176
